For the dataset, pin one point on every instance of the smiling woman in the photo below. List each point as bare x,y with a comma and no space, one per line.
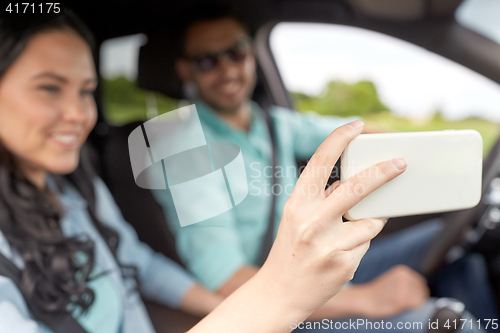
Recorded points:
47,103
36,136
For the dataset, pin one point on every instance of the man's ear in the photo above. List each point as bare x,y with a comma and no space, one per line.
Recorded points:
182,69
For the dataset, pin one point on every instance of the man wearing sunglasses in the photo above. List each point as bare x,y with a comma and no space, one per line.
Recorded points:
218,68
208,62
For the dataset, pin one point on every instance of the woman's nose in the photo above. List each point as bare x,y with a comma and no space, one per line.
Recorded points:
75,109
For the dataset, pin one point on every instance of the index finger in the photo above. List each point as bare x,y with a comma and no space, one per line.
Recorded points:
354,189
315,175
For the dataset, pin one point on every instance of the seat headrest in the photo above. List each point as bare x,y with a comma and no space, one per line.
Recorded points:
156,69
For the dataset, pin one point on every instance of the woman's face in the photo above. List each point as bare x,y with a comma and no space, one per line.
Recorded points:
47,107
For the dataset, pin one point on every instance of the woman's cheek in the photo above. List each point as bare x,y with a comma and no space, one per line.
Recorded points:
32,123
92,116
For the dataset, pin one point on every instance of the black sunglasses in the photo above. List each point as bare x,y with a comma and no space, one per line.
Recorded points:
207,62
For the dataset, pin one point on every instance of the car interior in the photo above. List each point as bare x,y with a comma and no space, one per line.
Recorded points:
430,24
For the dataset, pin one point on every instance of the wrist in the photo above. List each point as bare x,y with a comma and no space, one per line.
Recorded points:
286,299
260,305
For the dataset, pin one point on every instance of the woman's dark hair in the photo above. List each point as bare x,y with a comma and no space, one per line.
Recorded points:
54,276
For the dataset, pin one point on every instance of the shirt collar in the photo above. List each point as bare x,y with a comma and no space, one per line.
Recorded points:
68,198
209,116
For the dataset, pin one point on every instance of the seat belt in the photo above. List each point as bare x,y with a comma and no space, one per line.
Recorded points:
269,236
58,322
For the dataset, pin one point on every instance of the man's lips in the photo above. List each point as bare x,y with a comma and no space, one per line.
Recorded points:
230,88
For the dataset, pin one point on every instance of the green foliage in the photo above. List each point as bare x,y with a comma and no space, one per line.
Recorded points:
124,102
342,99
361,99
389,122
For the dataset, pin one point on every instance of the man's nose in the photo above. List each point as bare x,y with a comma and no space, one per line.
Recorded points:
228,67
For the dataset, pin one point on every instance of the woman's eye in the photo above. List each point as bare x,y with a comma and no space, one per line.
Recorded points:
87,92
50,88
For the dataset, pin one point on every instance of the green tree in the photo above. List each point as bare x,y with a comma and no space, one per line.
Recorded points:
125,102
342,99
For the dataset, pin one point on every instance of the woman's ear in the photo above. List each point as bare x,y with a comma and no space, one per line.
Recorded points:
182,69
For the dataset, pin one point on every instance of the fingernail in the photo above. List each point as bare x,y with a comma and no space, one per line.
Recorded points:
335,185
356,124
385,219
399,163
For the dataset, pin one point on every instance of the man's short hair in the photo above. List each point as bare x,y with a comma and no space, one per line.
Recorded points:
209,11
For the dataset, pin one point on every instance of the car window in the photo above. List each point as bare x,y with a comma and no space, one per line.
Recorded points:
481,16
394,85
123,101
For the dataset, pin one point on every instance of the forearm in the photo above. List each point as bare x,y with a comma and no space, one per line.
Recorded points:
257,306
199,302
244,274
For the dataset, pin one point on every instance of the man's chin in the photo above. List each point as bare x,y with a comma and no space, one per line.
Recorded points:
230,109
227,107
228,104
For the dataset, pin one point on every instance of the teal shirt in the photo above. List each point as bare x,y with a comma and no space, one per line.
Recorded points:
106,313
213,250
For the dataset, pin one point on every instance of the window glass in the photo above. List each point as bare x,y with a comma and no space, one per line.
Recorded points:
124,102
394,85
482,16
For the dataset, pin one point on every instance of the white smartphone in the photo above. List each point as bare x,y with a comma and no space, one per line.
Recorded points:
444,172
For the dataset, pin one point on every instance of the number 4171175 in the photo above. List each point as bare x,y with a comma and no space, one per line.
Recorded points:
28,7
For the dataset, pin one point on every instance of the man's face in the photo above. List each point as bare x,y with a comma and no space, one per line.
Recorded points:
229,84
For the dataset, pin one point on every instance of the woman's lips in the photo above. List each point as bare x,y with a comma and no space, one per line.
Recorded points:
66,140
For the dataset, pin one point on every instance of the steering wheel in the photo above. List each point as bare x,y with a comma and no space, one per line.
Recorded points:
457,223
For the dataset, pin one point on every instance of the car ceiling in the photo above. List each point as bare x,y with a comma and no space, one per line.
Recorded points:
427,23
115,18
